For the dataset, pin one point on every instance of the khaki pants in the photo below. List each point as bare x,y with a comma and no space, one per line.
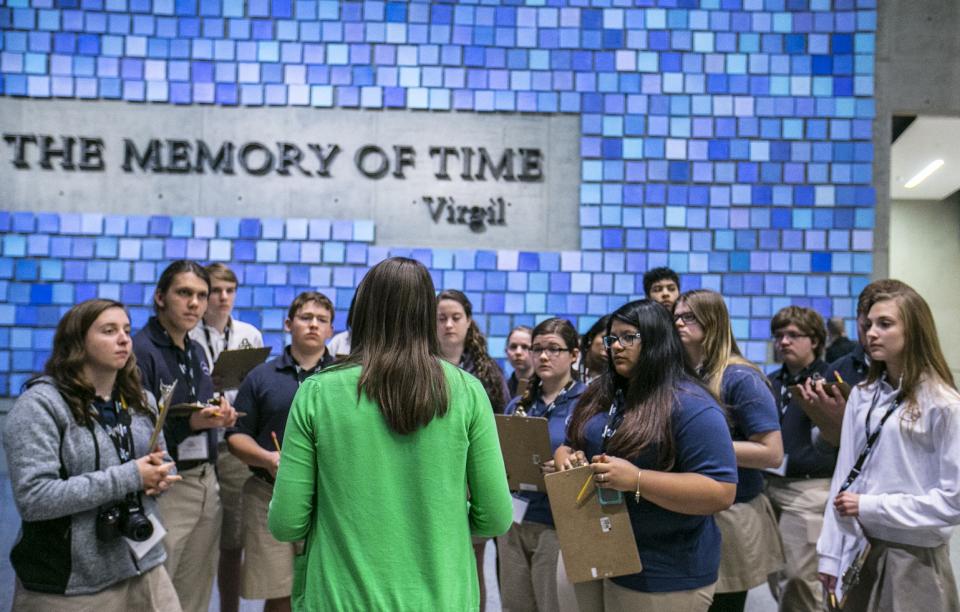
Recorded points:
191,513
267,564
799,504
232,474
151,591
751,549
605,596
528,568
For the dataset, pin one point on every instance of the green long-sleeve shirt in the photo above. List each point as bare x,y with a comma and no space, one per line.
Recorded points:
385,516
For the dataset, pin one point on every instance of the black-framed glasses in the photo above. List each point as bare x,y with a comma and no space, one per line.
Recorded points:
688,318
551,351
791,336
625,340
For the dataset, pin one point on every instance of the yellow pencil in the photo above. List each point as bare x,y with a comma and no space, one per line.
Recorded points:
276,442
584,493
837,374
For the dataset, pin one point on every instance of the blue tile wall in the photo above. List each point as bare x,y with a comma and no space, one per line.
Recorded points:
729,139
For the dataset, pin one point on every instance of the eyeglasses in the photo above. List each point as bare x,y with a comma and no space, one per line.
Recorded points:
551,351
791,336
626,340
309,318
688,318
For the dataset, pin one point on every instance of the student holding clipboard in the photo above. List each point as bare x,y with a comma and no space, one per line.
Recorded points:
166,354
265,396
901,431
528,552
652,433
217,332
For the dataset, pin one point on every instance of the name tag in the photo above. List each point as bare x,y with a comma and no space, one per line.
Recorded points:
519,509
194,448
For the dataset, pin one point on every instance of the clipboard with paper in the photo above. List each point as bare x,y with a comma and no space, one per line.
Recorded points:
525,444
233,366
596,539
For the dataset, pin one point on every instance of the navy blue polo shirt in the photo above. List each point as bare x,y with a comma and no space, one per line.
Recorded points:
266,395
539,509
852,367
161,362
748,398
804,458
678,551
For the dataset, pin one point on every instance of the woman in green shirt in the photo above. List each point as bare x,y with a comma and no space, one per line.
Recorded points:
378,455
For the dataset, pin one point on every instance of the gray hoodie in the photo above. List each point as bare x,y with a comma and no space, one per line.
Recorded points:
59,494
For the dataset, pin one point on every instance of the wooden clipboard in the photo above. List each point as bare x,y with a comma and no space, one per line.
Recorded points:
597,540
525,443
233,366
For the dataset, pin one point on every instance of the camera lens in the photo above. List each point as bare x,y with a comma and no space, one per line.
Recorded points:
136,526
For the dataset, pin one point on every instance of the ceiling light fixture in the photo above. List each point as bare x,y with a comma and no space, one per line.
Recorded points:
923,174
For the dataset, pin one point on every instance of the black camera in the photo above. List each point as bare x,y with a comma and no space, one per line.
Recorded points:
125,519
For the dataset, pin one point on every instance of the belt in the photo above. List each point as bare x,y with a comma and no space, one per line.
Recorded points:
183,466
265,477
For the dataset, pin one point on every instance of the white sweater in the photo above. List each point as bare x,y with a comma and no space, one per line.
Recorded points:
910,485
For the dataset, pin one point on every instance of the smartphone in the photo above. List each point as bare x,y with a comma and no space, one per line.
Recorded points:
844,388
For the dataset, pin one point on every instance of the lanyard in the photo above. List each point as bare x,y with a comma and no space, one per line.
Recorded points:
786,396
186,368
119,433
872,438
614,418
226,340
303,374
553,404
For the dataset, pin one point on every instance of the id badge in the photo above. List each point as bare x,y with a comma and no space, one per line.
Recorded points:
194,448
140,549
519,509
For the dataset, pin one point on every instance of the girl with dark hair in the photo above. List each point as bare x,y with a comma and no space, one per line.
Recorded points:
463,345
896,492
83,476
593,355
751,546
654,433
518,354
528,552
378,453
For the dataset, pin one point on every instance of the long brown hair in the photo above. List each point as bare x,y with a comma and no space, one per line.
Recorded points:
568,333
475,345
922,356
649,391
65,365
720,348
393,338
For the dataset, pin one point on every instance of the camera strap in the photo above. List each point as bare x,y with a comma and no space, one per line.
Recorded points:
117,426
614,418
